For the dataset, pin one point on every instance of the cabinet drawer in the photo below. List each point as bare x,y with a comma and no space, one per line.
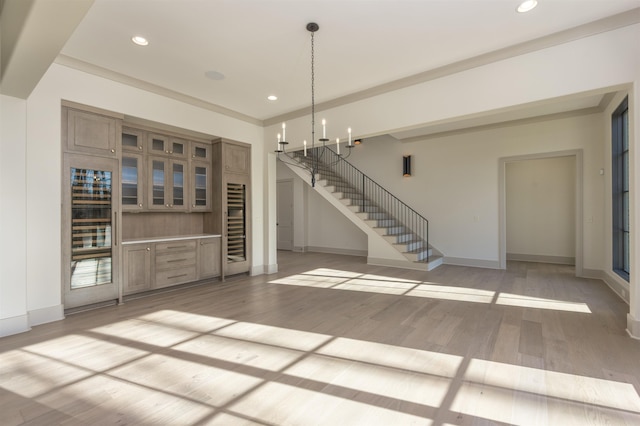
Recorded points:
174,276
173,260
174,246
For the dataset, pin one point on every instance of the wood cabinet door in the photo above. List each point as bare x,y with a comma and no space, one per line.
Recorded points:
133,140
91,133
209,258
137,267
237,159
201,151
133,181
200,181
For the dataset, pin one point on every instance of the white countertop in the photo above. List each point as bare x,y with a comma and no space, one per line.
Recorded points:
175,238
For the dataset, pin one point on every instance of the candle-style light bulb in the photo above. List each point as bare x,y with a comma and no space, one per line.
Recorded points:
324,128
338,145
284,132
349,130
305,148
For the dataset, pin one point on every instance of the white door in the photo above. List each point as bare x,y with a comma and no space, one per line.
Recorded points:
285,215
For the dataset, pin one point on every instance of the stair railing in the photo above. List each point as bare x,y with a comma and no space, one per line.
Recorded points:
370,194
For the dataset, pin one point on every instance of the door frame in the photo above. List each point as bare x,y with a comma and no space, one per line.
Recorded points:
291,181
502,209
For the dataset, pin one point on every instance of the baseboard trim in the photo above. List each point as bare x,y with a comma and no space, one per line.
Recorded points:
615,284
332,250
559,260
256,270
392,263
14,325
45,315
595,274
633,327
272,269
474,263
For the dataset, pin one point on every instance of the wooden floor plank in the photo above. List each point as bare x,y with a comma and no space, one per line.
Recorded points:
330,340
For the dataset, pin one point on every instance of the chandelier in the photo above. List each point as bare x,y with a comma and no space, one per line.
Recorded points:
310,162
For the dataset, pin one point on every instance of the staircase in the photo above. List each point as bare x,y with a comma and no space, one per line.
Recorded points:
403,229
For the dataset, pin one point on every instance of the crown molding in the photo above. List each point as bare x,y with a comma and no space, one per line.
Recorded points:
610,23
79,65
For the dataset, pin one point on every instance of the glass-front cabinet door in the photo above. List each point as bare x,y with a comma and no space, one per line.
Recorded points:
167,183
200,186
91,195
178,191
132,181
132,140
158,197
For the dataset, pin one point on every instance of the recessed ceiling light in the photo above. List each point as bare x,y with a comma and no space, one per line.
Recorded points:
272,97
139,40
527,5
214,75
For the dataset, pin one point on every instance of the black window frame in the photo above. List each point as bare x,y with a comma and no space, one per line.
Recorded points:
620,189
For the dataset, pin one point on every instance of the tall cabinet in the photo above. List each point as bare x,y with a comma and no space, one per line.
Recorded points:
147,206
232,195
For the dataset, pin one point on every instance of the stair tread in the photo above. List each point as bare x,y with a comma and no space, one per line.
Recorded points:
381,221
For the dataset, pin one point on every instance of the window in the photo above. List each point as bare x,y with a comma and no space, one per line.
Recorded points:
620,190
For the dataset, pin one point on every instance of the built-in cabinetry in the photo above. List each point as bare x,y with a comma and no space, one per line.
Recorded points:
172,207
232,162
162,262
91,132
164,173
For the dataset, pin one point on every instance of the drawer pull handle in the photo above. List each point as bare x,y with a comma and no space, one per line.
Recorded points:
176,260
177,276
176,247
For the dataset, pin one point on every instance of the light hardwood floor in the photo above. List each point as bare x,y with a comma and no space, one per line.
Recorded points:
330,340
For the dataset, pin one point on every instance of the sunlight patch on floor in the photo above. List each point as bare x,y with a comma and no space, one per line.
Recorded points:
600,392
275,336
264,374
283,404
541,303
186,320
151,333
345,280
445,292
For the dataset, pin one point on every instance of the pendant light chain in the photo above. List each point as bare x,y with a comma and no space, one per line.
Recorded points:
313,111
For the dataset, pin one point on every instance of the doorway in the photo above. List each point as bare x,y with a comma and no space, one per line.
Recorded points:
284,214
541,208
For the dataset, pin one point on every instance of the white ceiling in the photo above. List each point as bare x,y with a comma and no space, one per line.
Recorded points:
262,46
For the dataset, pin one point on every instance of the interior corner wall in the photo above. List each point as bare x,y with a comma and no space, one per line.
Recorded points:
43,166
318,226
330,231
13,266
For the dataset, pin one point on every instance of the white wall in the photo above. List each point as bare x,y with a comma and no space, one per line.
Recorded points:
454,181
13,266
43,167
540,208
452,193
318,226
563,70
455,177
